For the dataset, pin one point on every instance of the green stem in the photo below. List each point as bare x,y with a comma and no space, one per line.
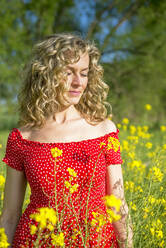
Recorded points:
86,230
78,223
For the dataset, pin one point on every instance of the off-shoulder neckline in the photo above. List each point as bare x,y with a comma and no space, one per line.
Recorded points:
61,143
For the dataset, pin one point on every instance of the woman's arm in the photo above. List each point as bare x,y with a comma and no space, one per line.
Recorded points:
114,185
14,193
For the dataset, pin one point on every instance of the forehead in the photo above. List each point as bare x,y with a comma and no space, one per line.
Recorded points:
82,63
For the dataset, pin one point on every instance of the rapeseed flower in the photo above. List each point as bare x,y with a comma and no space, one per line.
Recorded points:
56,152
119,125
148,107
133,206
133,138
3,238
148,145
163,128
131,155
164,147
44,216
125,145
2,181
132,129
57,239
124,127
98,220
76,233
112,216
33,229
72,188
72,172
112,201
156,174
125,121
113,144
161,244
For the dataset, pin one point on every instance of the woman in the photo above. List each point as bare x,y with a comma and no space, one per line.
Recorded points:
63,130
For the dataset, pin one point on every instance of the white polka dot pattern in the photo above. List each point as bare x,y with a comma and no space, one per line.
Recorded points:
87,160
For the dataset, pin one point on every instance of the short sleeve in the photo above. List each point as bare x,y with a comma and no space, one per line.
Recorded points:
112,150
13,155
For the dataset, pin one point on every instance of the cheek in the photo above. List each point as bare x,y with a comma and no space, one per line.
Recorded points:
85,82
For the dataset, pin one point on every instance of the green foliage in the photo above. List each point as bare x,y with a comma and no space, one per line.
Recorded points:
130,35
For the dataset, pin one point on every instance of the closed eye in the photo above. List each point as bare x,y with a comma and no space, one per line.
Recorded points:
83,75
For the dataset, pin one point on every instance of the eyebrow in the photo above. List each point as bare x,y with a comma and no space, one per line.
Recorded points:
69,67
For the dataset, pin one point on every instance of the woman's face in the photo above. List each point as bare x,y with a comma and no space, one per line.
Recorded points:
77,78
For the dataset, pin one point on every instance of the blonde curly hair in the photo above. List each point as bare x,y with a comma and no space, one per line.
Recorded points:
41,94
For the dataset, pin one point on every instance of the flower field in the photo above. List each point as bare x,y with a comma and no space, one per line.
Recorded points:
144,169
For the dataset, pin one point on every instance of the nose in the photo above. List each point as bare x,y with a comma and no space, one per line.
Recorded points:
76,80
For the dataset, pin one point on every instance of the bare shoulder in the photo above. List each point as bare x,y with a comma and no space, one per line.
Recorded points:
25,132
109,126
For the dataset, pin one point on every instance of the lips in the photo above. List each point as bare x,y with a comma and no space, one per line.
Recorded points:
74,91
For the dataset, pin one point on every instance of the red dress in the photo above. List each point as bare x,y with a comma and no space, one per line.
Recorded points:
38,163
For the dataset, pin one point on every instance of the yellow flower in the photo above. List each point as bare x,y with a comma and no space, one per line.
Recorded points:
148,145
133,138
151,199
45,215
129,185
151,154
125,121
146,210
131,155
2,196
57,239
145,216
132,129
124,127
50,227
113,144
161,243
148,107
73,188
156,173
72,172
3,238
76,233
56,152
164,147
2,181
145,128
112,216
152,230
163,128
133,206
125,145
119,125
99,220
0,145
112,201
138,188
33,229
159,234
67,184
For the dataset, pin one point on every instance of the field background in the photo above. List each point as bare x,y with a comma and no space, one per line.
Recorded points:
132,40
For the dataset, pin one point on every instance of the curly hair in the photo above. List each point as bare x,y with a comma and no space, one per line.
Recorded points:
41,94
